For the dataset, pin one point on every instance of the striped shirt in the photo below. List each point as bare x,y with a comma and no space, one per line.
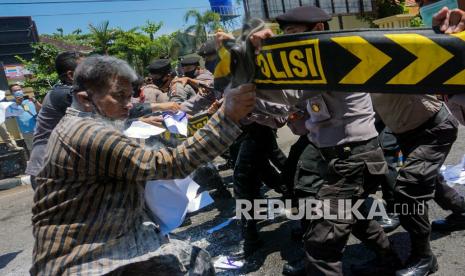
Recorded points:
88,214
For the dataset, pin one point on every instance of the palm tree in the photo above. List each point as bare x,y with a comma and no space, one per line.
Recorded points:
208,21
77,31
151,28
60,32
102,36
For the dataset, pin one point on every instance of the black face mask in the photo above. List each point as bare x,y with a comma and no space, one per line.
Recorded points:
191,74
159,82
210,65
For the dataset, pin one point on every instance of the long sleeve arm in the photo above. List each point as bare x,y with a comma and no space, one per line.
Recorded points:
119,157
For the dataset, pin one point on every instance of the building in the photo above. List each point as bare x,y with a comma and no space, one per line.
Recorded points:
344,12
17,34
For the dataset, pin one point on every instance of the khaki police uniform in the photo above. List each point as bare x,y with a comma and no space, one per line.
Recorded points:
425,131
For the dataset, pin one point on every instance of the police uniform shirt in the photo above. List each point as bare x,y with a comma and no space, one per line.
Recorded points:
181,93
335,118
206,77
402,113
154,95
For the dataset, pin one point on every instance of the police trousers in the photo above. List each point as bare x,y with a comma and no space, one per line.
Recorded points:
350,172
252,152
445,196
425,149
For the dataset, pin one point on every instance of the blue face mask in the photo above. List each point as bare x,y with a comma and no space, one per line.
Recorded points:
429,10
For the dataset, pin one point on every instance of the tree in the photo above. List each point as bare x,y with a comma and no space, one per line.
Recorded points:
77,31
204,23
42,66
416,22
385,8
131,46
102,36
60,32
151,28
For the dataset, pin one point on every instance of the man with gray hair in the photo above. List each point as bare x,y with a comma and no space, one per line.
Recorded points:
88,214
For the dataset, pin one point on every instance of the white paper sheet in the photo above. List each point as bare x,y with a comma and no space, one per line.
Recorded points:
176,123
202,200
225,262
171,200
3,111
143,130
454,174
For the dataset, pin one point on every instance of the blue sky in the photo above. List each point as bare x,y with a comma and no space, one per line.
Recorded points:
170,12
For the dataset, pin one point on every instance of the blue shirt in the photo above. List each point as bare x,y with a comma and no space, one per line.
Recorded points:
25,115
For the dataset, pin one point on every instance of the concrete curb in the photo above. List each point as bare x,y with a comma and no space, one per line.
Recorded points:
9,183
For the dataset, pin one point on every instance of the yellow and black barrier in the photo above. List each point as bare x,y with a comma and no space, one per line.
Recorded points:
195,123
374,60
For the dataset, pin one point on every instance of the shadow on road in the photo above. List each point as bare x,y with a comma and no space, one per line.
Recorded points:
5,259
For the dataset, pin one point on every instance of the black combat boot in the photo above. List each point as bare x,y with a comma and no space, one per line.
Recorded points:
419,266
252,241
295,269
453,222
384,264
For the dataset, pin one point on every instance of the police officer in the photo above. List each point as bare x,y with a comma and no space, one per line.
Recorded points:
209,54
341,126
161,74
194,80
425,131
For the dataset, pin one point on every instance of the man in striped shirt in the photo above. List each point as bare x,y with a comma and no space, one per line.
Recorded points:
88,214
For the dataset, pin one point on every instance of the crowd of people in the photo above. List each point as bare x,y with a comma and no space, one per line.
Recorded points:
89,213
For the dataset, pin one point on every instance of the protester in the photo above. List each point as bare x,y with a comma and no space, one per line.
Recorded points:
7,138
53,109
25,113
88,214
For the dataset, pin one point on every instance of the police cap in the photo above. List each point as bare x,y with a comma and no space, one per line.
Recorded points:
190,61
303,15
159,66
207,49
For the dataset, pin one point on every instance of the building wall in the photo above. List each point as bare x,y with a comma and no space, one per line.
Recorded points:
269,9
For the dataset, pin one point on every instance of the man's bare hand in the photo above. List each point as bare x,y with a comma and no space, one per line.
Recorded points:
240,101
220,37
153,120
182,80
169,106
257,38
214,107
450,21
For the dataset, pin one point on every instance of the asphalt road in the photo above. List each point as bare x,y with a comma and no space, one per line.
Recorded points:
16,240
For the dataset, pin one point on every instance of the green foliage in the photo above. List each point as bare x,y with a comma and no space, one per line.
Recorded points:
205,23
138,46
138,49
416,22
43,68
101,36
151,28
390,7
132,47
384,8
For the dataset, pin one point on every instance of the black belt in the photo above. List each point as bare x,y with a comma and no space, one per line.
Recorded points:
346,150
